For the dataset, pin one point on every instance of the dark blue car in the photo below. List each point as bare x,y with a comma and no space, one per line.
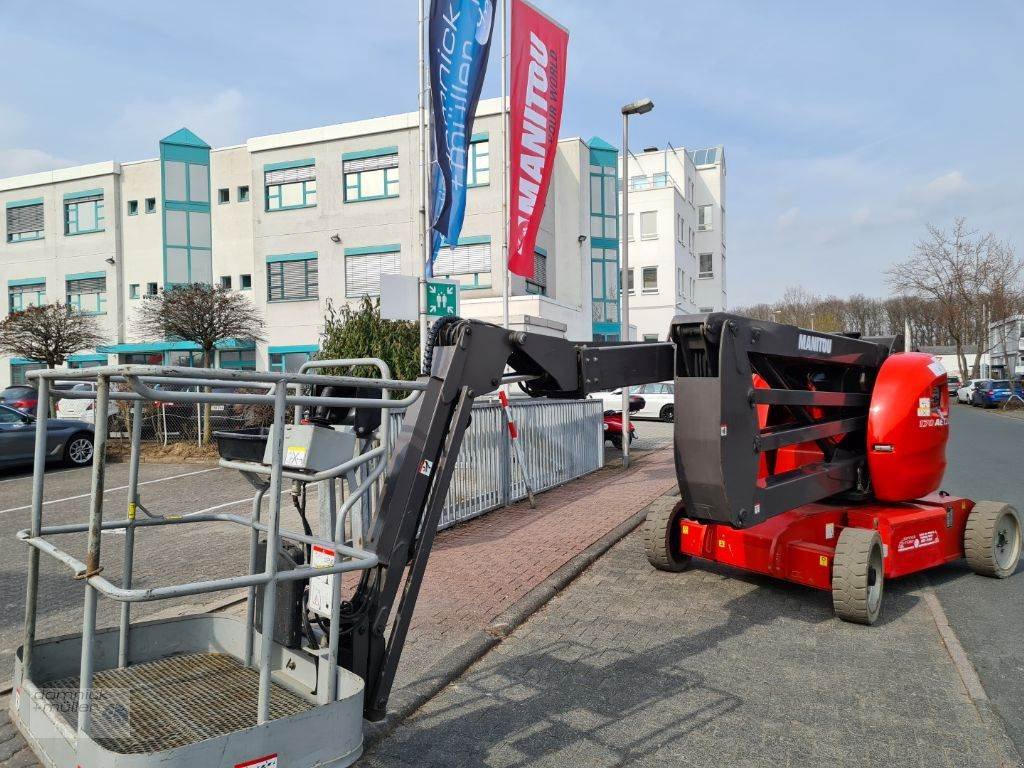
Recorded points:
66,440
989,394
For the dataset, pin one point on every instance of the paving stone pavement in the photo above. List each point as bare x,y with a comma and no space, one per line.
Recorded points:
711,667
482,567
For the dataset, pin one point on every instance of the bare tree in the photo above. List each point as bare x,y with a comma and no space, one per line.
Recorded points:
204,315
949,268
49,333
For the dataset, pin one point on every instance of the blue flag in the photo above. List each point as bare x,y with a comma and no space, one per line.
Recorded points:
459,39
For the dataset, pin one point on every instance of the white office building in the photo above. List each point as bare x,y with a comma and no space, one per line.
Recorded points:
302,218
676,236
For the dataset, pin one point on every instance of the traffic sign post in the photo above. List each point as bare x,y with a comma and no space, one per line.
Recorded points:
442,298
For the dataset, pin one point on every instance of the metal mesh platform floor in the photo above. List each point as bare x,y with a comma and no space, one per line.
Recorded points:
169,703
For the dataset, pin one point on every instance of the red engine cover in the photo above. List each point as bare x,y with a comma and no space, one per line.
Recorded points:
908,426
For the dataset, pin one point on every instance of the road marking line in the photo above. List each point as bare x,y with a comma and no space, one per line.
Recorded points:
50,473
228,504
111,490
964,667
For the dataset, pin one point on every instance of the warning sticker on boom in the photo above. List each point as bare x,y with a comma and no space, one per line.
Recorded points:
320,586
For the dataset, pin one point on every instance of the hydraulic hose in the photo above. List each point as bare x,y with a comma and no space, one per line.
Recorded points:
431,342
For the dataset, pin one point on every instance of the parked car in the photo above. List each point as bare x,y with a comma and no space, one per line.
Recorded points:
21,397
963,395
989,394
659,400
952,383
82,409
66,440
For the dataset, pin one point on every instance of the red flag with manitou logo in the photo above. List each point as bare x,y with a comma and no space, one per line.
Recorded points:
539,46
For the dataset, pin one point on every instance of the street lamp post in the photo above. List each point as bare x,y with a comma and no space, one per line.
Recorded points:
641,107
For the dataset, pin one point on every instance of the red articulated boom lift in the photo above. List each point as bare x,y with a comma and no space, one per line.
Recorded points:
817,458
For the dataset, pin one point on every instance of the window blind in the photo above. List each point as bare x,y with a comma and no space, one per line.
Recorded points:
25,218
463,259
88,285
29,288
291,175
371,163
362,272
292,280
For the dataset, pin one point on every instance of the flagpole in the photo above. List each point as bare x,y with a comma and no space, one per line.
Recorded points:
424,136
504,164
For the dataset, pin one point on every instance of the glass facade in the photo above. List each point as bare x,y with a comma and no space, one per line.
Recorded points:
188,246
604,240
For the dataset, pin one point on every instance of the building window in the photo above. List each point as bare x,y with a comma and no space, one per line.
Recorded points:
26,294
133,291
364,266
133,207
538,284
649,276
705,218
706,266
468,263
479,169
188,243
223,196
289,359
225,282
650,337
629,227
88,293
152,289
292,277
245,282
186,182
25,220
370,175
603,203
243,194
83,214
290,185
150,205
238,359
628,275
648,225
680,282
18,371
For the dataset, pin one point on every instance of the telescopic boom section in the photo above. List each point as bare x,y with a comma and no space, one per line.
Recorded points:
468,360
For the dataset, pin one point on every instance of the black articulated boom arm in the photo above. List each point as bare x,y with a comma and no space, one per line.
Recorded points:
468,359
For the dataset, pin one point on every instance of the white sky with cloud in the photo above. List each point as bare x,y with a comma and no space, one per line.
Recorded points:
847,127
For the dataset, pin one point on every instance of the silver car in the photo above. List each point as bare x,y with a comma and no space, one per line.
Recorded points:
66,440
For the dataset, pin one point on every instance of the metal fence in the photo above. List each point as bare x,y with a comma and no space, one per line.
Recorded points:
561,441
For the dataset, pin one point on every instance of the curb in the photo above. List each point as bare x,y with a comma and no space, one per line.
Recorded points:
412,697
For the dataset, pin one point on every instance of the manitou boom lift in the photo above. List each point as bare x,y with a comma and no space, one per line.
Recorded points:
806,456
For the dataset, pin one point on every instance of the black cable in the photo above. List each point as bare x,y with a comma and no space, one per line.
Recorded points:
301,509
431,340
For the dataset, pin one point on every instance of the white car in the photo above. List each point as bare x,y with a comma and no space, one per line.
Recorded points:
659,400
81,409
963,395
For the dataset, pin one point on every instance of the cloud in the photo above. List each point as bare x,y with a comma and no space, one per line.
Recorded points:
788,218
942,187
219,119
23,160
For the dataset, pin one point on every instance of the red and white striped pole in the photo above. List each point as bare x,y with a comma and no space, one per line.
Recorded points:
513,436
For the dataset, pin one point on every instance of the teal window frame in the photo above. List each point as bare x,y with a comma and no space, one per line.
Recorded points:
479,150
274,194
276,275
604,247
188,163
468,281
72,215
80,300
243,193
353,181
245,282
237,359
20,367
223,195
24,237
277,357
16,299
225,282
133,291
133,207
152,289
193,253
150,205
533,286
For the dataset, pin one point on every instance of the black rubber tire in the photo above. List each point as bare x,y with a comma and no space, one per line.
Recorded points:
857,570
616,443
661,539
668,413
71,462
983,550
